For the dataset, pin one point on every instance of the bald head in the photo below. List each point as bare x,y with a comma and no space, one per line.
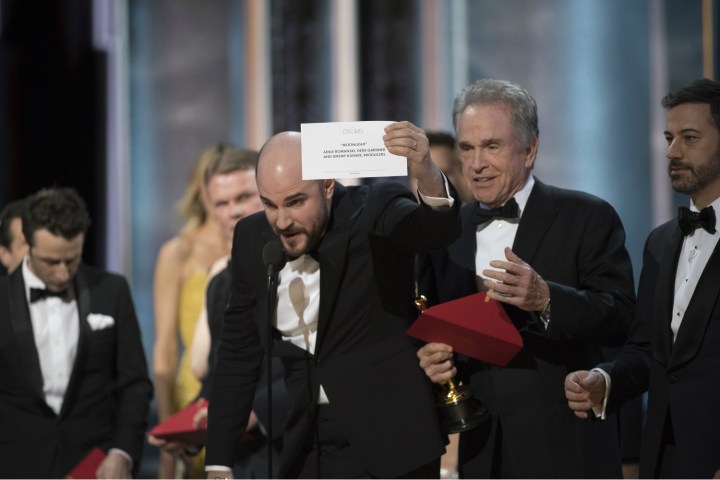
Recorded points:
281,159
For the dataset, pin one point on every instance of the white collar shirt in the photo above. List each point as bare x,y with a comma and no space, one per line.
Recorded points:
56,329
298,305
694,255
493,236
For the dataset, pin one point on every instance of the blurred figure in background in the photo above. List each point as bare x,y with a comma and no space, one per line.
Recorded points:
233,195
181,275
443,151
13,246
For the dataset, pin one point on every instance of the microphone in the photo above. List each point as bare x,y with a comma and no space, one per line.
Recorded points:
274,258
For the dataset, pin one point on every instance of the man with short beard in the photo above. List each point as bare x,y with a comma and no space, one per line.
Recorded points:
360,406
674,350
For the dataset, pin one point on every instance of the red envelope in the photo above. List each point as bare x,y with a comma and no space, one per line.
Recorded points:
88,465
473,327
179,427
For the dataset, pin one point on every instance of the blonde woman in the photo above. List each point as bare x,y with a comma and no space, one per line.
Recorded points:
181,274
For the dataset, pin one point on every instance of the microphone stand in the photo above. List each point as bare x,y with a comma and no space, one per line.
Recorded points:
272,296
274,258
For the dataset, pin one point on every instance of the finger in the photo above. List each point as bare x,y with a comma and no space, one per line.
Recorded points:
442,378
510,255
579,406
581,414
438,368
571,384
499,277
431,348
507,298
506,266
438,358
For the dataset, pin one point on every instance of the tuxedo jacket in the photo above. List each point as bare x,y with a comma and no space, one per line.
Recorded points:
108,395
218,295
363,358
576,243
683,377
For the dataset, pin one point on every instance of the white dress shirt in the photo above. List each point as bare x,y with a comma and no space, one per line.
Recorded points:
694,255
56,330
298,306
493,236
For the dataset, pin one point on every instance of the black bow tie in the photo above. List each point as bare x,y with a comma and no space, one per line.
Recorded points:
40,293
689,220
510,210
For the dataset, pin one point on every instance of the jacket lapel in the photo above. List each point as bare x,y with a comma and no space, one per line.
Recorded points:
333,255
697,315
539,214
660,331
20,313
462,251
82,297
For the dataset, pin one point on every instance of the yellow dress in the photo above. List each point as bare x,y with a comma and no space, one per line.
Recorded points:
187,386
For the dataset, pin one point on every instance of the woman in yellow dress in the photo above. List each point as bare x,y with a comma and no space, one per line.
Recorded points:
181,274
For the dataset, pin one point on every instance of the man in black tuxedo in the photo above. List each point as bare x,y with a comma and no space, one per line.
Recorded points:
556,260
674,349
251,459
71,361
359,404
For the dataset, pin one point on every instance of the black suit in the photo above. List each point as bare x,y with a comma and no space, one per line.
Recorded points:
684,390
363,358
107,399
576,243
252,457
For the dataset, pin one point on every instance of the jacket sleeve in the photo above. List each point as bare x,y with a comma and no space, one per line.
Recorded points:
133,389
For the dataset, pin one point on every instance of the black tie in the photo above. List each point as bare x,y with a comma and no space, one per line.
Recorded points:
689,220
510,210
40,293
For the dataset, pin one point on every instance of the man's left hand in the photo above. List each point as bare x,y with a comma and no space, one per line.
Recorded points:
114,466
516,283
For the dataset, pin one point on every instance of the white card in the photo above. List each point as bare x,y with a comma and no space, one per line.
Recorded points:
348,150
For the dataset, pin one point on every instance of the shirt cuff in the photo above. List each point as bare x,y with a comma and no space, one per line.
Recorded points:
218,468
601,412
446,201
124,454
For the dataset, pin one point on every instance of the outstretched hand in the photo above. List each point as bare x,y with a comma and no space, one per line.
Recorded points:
516,283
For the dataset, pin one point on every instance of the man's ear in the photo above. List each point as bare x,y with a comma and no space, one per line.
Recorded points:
328,188
531,154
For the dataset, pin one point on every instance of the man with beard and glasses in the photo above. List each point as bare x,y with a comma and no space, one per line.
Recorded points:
674,349
360,406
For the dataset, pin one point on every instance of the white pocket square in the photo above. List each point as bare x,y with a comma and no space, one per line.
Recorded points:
98,321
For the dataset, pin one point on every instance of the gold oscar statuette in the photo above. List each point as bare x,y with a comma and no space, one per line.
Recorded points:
458,409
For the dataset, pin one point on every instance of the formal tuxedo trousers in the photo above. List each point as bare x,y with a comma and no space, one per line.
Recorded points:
363,358
576,243
107,398
683,376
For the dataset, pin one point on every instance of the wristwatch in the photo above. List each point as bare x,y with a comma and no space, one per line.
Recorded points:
545,313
